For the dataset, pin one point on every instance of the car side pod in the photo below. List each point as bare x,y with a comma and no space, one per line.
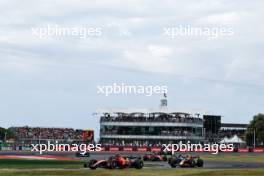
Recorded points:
92,164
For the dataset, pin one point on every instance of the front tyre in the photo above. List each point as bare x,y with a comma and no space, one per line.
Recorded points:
192,163
199,163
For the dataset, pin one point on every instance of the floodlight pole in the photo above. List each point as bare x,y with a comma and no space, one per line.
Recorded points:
254,138
39,136
5,136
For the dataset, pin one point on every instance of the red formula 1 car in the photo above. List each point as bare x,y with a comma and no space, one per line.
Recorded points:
116,161
154,157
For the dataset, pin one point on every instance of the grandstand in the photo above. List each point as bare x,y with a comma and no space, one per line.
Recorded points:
231,129
25,136
153,128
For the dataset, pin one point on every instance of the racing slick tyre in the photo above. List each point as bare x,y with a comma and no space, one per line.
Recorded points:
199,163
91,164
169,160
173,163
112,164
139,164
192,163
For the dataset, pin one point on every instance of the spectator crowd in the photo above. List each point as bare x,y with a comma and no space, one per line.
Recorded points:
175,118
31,133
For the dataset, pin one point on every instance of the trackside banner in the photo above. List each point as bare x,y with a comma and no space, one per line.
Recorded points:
159,149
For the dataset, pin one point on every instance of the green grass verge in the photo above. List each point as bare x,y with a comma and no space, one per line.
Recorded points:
234,157
28,167
134,172
29,163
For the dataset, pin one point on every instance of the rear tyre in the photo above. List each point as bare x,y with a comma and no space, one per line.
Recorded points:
112,164
169,160
173,163
139,164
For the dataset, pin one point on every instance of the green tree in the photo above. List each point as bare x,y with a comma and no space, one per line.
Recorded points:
256,125
5,133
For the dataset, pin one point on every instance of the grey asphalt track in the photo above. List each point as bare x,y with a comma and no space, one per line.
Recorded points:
154,164
207,164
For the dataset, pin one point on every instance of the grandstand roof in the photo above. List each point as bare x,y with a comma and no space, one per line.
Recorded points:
151,110
234,125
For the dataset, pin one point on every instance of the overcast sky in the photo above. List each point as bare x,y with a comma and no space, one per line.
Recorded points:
51,81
